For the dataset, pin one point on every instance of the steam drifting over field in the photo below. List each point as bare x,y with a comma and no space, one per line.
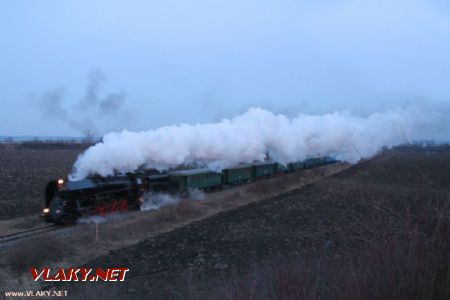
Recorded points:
250,137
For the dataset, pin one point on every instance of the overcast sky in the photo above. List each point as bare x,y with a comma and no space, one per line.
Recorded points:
68,66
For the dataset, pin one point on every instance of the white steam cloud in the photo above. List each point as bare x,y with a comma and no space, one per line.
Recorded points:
250,137
155,201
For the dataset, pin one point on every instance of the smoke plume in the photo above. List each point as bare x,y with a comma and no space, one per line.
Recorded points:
250,137
80,115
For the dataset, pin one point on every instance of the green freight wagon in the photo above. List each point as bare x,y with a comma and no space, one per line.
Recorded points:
196,179
262,169
309,163
320,161
283,168
294,166
330,160
314,162
238,173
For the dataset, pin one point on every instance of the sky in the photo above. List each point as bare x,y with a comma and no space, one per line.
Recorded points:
67,67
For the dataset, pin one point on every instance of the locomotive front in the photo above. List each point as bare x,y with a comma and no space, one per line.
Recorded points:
67,201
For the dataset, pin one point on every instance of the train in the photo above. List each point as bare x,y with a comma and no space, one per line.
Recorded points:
66,201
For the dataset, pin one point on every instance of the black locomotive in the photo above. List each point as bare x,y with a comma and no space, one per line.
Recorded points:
65,201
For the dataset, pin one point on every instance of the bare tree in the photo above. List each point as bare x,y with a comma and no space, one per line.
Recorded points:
89,137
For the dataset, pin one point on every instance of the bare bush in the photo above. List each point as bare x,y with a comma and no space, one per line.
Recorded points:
34,254
183,210
384,249
408,267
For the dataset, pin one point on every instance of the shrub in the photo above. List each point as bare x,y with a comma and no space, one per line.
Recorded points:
34,253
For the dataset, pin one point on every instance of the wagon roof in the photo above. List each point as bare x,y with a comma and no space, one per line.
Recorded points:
240,166
261,163
191,172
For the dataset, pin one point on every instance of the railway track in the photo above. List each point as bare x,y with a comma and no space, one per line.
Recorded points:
26,233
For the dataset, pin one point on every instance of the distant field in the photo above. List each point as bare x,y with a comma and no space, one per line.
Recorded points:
24,174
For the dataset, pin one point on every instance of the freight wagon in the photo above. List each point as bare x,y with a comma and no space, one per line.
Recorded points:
206,179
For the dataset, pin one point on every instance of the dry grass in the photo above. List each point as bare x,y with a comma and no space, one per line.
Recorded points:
384,249
38,251
181,211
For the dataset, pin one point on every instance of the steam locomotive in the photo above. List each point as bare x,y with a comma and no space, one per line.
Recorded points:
65,201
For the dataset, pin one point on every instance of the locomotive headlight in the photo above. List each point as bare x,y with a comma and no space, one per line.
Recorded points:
46,210
60,181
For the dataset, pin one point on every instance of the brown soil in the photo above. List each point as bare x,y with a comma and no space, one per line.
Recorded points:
123,230
343,212
23,176
231,231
